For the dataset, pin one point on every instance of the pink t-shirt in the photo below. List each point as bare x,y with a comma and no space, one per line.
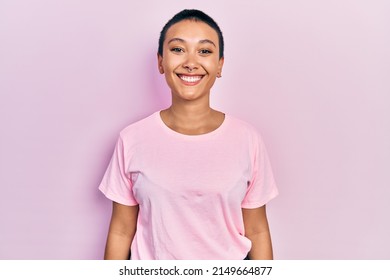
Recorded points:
190,188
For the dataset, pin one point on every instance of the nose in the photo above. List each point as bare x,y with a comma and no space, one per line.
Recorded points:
190,63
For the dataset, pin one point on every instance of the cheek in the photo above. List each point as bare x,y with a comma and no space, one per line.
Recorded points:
211,66
171,62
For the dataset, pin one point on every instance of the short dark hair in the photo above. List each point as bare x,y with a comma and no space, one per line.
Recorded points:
194,15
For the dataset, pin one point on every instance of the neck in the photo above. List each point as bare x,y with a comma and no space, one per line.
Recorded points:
190,114
192,119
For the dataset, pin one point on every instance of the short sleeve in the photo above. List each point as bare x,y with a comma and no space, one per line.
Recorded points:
261,187
116,183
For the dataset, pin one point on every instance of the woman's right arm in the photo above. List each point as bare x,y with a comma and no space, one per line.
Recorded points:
121,233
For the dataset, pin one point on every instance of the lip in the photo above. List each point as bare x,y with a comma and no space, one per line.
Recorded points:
190,80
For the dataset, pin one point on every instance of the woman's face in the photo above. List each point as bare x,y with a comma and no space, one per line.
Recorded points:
190,59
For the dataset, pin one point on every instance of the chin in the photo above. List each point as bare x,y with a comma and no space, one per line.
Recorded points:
189,97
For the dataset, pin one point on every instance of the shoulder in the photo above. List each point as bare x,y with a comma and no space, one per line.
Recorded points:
247,133
243,127
143,123
139,131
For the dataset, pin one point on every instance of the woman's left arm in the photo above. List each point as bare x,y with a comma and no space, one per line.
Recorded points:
257,230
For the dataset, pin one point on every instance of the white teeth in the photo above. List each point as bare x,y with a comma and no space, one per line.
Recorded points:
190,79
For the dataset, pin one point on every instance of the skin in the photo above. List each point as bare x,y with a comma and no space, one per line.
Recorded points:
257,230
191,45
121,232
190,49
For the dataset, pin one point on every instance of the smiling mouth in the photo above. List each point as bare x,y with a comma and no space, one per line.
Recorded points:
192,80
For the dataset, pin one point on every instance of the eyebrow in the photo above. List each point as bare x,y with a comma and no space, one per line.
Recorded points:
204,41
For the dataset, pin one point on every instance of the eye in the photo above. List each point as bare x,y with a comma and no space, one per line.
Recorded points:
177,50
205,51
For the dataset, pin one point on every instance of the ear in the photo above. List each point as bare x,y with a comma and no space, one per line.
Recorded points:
220,66
159,61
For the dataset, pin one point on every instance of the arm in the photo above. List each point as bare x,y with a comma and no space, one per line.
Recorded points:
257,230
121,233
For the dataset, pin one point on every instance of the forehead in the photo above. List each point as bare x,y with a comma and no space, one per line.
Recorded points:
191,30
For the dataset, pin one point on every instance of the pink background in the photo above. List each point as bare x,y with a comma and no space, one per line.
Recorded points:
312,76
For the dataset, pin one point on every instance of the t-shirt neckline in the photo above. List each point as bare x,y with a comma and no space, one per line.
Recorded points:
188,136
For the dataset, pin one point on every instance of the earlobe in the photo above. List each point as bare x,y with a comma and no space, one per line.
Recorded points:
221,61
160,67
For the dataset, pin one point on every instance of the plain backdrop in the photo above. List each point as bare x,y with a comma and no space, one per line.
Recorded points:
312,76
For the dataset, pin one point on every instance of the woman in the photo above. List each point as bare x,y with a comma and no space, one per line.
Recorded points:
189,182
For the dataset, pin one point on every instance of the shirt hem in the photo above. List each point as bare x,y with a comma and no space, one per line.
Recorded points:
116,198
257,204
